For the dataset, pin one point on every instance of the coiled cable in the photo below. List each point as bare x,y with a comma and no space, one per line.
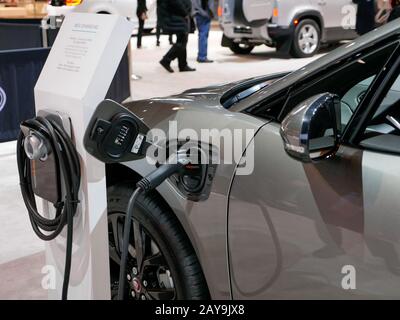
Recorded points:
67,161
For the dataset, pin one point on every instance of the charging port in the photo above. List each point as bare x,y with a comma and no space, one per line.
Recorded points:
195,181
193,178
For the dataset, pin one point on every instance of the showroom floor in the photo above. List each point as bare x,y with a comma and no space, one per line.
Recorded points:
21,253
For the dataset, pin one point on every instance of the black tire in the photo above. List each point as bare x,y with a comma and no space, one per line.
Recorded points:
239,48
162,226
297,50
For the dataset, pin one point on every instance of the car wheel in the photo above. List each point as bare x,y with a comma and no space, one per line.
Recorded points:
241,48
307,39
170,269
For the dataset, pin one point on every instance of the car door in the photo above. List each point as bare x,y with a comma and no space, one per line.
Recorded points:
323,229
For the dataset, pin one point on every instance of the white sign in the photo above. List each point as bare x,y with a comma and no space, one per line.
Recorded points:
87,46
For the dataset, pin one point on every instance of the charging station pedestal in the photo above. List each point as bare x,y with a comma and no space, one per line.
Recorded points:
74,80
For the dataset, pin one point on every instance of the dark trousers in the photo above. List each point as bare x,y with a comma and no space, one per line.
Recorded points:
178,51
365,16
140,32
158,34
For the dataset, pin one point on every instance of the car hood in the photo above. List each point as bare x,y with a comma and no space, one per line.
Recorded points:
206,100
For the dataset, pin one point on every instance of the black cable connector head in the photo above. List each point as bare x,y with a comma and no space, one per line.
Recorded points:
158,176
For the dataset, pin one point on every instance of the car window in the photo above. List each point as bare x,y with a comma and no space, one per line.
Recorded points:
353,98
383,130
350,82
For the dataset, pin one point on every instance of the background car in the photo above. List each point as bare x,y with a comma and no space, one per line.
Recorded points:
125,8
318,217
298,27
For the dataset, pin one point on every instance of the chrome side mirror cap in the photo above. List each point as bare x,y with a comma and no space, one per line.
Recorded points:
311,131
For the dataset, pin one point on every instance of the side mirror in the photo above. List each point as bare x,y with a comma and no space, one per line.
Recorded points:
310,132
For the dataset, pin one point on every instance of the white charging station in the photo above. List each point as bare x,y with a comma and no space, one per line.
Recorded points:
74,80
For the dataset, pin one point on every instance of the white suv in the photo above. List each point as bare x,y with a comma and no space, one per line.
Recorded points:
125,8
295,26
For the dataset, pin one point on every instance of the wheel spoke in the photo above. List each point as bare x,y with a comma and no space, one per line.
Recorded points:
139,244
154,261
114,255
161,294
116,229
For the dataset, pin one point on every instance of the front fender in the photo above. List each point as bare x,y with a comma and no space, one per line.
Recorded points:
205,222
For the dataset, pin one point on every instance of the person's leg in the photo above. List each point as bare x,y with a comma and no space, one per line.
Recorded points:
207,33
170,39
173,53
158,34
181,43
177,47
140,33
201,55
203,26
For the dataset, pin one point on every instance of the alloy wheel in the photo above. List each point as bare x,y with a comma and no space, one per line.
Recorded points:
308,39
148,274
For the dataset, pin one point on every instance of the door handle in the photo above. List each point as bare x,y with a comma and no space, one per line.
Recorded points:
322,2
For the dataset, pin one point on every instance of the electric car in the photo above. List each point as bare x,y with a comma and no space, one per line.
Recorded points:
296,27
310,210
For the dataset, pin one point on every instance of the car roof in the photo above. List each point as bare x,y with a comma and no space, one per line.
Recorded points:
368,40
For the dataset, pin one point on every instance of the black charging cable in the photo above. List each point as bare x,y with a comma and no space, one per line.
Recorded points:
150,182
67,159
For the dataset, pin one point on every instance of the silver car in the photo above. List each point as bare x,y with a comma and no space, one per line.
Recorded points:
318,213
297,27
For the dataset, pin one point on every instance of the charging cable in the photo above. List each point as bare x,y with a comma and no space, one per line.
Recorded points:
150,182
46,135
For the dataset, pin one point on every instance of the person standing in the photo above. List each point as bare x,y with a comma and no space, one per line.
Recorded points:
141,13
203,15
395,14
174,17
365,16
